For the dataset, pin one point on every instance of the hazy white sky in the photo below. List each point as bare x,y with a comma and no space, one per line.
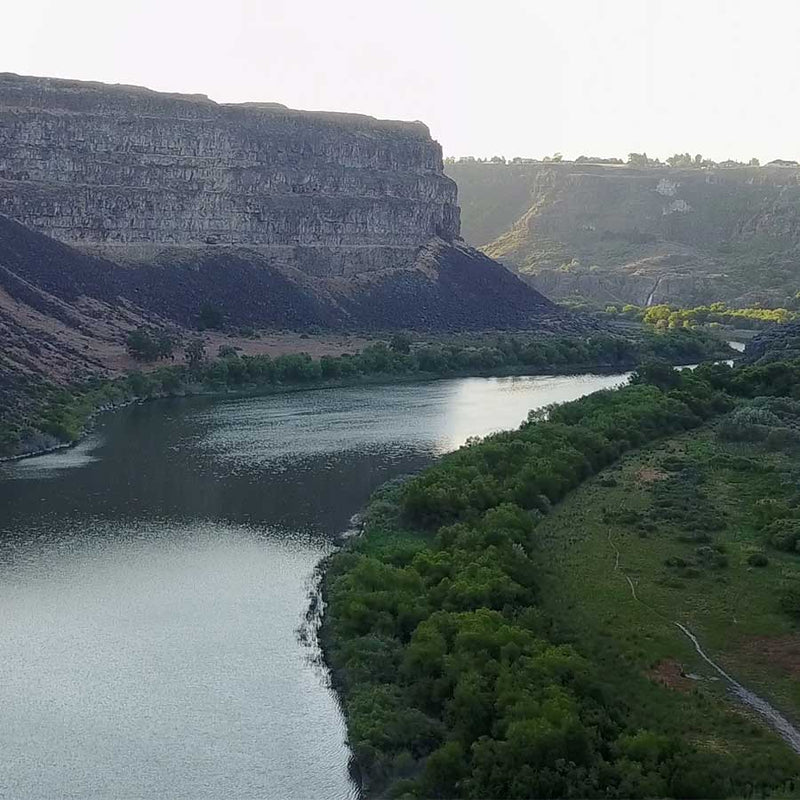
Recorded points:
507,77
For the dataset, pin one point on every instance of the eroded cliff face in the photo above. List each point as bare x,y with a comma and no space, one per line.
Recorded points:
130,172
623,234
118,202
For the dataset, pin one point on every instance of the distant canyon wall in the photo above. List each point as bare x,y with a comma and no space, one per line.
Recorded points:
130,172
614,234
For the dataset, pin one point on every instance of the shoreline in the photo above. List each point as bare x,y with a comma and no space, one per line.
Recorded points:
376,379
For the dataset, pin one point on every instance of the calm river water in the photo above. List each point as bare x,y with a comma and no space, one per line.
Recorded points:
154,578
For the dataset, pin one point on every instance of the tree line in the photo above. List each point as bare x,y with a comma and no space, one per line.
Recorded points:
676,160
399,356
665,316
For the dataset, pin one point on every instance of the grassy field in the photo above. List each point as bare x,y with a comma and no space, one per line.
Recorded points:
685,516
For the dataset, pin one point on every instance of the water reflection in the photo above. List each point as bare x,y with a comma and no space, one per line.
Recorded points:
49,465
141,663
480,406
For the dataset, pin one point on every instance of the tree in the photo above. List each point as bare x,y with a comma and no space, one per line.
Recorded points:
195,353
209,317
401,343
657,373
680,160
140,384
145,344
227,351
443,770
753,162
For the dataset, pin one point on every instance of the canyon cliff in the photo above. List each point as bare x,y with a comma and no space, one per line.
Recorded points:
642,235
129,172
279,218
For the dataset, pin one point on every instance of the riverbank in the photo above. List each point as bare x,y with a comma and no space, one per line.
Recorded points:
64,415
446,652
48,444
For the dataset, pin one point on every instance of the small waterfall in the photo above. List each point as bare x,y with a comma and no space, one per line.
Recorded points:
652,293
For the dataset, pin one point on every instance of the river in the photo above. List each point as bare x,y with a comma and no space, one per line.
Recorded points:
153,580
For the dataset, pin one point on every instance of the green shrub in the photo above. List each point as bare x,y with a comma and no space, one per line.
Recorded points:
784,534
790,601
149,344
748,424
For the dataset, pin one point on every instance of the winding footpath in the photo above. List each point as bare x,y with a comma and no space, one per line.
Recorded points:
785,729
774,718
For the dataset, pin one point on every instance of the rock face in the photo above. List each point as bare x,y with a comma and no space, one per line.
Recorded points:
620,234
129,172
165,204
451,287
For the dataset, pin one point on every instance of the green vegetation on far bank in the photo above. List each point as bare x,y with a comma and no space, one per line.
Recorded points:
468,669
55,414
717,314
713,316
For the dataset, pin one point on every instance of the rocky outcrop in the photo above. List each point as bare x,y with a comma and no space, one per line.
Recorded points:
637,235
129,172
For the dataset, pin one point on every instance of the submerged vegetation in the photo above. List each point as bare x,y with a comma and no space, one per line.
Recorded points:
466,667
56,414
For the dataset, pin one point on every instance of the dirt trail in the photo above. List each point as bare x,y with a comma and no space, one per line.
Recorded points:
788,732
774,718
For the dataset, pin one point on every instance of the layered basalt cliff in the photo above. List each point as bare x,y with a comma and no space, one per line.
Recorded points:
161,204
129,172
617,233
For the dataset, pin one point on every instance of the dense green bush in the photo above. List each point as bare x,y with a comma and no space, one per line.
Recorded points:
149,344
748,424
670,317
